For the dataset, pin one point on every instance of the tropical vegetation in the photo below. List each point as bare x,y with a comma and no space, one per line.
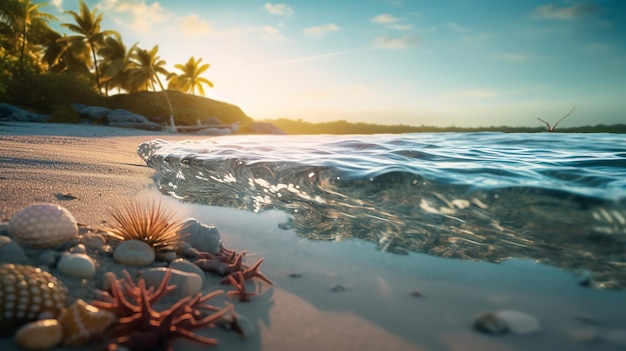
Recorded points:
46,70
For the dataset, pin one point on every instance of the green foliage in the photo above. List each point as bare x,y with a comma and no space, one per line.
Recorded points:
46,91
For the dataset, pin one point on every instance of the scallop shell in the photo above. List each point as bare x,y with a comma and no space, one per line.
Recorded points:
81,321
28,293
43,226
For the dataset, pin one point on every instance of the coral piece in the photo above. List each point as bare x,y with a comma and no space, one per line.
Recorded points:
141,327
147,222
28,293
237,280
82,321
43,226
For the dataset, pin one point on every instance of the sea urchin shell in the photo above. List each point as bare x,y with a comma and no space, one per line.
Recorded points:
147,222
43,226
28,293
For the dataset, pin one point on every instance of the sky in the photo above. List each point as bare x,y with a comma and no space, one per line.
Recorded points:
467,63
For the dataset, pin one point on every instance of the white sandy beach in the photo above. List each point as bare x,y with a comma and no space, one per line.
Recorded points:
98,167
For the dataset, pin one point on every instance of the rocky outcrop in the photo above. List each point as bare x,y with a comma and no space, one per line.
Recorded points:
115,118
15,114
264,128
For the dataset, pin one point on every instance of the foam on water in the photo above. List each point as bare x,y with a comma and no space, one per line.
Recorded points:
555,198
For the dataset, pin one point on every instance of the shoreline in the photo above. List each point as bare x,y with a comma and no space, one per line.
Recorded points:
89,168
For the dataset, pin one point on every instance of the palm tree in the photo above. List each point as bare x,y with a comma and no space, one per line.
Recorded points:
115,62
88,29
147,66
190,79
19,17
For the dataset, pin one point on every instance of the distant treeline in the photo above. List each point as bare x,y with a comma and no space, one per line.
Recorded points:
344,127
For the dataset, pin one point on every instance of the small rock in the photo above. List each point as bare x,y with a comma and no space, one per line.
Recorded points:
184,265
134,253
506,321
203,237
48,258
337,288
39,335
79,248
167,256
77,265
11,252
295,275
93,241
490,323
187,284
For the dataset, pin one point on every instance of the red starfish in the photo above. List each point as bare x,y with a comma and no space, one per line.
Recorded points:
240,287
250,273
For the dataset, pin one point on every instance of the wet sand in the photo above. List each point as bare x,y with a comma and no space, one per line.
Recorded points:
87,169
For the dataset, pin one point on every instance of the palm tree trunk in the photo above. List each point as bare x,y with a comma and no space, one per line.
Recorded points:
169,104
95,65
23,50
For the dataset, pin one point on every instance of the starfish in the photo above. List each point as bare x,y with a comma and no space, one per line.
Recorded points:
240,287
220,267
249,273
141,327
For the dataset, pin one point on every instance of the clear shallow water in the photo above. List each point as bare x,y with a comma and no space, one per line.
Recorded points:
553,198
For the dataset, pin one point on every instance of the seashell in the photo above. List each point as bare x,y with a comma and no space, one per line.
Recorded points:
77,265
134,253
187,284
82,321
205,238
39,335
28,293
43,226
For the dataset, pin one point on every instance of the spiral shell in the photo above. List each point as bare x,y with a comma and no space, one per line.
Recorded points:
82,321
43,226
28,293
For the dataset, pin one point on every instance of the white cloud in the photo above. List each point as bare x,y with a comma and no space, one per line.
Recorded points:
456,27
142,16
192,26
58,4
385,18
396,42
319,31
279,9
565,12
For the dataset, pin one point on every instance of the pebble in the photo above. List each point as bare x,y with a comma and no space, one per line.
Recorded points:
48,258
39,335
205,238
79,248
11,252
134,253
167,256
187,284
338,288
505,321
93,241
77,265
184,265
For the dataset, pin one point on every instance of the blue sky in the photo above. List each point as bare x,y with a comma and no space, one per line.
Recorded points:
442,63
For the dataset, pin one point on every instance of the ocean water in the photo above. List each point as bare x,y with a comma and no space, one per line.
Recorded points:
558,199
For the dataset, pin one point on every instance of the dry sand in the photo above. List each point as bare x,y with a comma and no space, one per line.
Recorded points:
98,166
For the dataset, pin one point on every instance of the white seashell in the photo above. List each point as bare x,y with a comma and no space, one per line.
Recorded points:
519,322
43,226
81,321
205,238
134,253
39,335
187,284
77,265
